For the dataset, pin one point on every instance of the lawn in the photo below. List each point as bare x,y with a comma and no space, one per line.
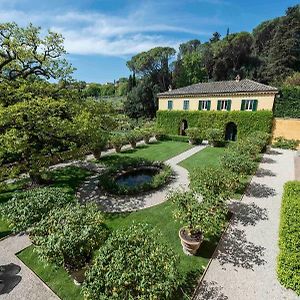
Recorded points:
161,150
160,217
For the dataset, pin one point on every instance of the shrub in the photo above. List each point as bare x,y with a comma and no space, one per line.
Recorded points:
283,143
246,147
215,137
132,137
214,181
195,135
108,183
133,264
98,147
260,139
288,267
68,236
175,138
117,141
238,162
207,216
159,133
27,208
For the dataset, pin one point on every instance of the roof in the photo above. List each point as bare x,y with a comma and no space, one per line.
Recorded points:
221,87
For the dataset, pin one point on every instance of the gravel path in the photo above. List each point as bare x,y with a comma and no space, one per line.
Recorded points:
18,281
244,265
89,191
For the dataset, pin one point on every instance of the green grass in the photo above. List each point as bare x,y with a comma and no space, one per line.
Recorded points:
55,277
158,150
160,217
210,156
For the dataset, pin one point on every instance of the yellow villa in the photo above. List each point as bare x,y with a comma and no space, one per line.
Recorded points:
245,94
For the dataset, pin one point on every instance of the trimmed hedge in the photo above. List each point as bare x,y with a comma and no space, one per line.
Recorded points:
246,121
288,105
288,267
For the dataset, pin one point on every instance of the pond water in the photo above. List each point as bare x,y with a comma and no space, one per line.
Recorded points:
136,177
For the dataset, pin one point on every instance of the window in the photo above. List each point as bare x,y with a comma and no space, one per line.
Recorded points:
186,104
204,105
249,105
224,105
170,104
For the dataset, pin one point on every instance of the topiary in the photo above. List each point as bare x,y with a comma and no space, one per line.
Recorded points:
195,135
133,264
215,181
247,147
117,141
215,137
69,235
27,208
260,139
238,162
132,137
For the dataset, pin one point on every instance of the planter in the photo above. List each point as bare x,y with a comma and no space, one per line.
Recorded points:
118,148
190,244
146,140
97,154
133,145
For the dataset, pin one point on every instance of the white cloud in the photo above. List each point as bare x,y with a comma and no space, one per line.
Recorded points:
99,33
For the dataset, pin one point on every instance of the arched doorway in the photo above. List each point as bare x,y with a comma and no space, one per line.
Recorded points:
231,132
183,127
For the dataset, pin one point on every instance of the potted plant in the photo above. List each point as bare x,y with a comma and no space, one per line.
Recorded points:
132,137
117,141
215,137
198,218
146,133
159,133
194,135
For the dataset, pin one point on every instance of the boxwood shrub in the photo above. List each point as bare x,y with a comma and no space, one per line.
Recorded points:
69,235
288,267
28,208
283,143
246,121
133,264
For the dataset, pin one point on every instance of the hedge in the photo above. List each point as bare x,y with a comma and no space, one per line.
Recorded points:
288,105
246,122
288,267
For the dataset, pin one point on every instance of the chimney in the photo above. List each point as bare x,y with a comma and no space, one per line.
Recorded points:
237,78
170,88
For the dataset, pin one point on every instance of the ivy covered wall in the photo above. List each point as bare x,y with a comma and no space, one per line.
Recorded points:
246,121
288,105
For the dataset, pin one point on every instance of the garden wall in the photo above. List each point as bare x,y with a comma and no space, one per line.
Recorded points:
246,122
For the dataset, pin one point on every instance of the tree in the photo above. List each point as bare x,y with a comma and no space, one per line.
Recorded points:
189,47
141,101
154,64
215,38
38,133
23,52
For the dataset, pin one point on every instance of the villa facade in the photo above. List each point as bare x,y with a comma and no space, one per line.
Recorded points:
245,95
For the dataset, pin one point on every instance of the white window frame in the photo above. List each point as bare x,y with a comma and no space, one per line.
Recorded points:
224,104
249,105
187,106
204,104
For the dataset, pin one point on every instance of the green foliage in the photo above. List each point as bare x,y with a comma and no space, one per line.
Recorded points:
246,122
195,135
283,143
107,180
215,137
117,140
214,181
68,236
288,105
27,208
260,139
237,162
24,52
132,137
133,265
175,138
289,238
206,216
246,147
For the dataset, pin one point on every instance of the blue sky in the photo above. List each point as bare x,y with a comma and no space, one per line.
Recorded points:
101,35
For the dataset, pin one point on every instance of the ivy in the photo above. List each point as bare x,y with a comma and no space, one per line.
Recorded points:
288,105
246,122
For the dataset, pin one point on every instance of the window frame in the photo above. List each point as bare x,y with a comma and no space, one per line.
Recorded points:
225,102
170,102
186,104
249,104
203,104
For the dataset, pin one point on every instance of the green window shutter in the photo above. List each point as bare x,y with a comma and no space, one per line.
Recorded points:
254,105
200,105
229,105
219,105
243,104
208,104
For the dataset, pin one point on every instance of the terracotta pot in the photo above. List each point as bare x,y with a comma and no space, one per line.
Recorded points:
78,276
97,154
118,148
190,244
146,140
133,145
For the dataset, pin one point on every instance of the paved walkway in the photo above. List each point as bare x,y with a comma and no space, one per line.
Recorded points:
90,192
244,265
19,282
